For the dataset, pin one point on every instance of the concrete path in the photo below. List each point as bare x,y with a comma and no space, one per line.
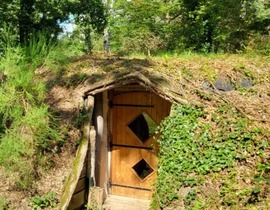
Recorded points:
115,202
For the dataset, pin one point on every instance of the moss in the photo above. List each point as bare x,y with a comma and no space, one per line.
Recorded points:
74,176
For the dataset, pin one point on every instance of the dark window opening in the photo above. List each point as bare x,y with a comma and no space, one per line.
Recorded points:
143,127
142,169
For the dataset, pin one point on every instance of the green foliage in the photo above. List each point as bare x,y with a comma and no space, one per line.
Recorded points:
81,118
27,128
90,16
46,200
190,197
178,154
26,18
140,40
4,203
7,38
180,25
259,44
133,27
191,149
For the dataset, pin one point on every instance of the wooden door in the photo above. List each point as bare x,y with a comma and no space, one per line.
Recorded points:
134,115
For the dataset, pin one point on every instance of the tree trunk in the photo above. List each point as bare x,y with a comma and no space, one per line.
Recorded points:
88,41
25,21
106,40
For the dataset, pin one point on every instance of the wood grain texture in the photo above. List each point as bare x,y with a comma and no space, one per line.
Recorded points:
124,158
78,169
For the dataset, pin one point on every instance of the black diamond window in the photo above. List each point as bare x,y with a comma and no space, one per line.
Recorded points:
143,126
142,169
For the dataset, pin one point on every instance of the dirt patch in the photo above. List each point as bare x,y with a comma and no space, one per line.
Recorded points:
53,179
15,199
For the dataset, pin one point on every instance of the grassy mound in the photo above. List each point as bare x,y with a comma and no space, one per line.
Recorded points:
214,151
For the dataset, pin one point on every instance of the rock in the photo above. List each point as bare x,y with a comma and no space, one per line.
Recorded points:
223,83
246,83
207,86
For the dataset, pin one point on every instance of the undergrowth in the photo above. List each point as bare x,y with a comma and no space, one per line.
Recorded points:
28,128
199,154
4,203
43,201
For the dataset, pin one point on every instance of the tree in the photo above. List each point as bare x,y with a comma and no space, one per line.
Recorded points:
28,17
196,25
213,25
134,26
9,11
261,22
90,15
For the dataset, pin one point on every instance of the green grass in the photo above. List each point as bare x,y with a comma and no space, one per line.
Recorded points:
4,203
28,130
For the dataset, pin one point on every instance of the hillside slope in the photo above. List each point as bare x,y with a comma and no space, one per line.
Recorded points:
231,91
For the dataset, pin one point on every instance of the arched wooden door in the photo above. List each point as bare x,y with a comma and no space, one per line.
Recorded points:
134,116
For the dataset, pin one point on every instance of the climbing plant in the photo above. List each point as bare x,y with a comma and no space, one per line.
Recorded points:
195,144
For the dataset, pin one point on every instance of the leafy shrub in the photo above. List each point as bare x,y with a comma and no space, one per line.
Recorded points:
259,44
46,200
190,197
143,41
178,153
191,148
139,40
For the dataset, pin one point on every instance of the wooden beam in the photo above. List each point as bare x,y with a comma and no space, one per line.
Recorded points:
78,164
92,157
74,176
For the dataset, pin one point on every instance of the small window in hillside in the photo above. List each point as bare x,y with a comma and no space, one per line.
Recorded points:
142,169
143,127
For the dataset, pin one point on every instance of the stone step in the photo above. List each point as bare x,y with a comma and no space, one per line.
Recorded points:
115,202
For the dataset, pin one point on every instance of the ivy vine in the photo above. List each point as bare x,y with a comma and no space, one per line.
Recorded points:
190,147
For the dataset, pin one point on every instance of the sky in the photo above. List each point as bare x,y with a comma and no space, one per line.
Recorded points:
68,26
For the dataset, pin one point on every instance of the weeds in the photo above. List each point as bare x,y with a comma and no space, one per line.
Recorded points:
4,203
46,200
27,128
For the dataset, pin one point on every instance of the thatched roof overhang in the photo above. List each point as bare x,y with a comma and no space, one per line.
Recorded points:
164,91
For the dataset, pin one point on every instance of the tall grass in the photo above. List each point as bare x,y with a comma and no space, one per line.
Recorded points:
27,128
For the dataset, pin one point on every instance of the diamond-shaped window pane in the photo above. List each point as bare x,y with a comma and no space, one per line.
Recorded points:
142,169
143,126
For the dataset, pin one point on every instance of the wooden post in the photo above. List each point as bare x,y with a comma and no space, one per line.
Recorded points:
78,164
91,166
99,126
74,176
91,157
89,105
